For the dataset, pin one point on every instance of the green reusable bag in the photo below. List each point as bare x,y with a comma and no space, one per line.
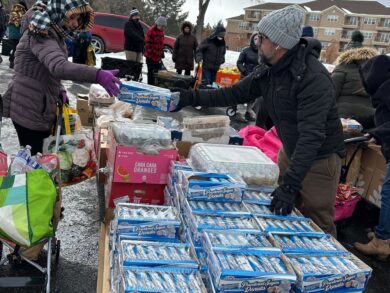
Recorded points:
26,207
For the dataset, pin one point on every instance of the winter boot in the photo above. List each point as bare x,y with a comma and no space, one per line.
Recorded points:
376,246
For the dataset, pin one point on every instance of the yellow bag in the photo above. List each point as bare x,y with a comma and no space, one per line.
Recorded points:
71,121
91,58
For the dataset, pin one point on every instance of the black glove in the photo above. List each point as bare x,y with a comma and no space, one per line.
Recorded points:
283,200
186,97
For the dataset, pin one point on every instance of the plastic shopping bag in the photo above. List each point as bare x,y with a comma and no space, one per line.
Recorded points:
26,207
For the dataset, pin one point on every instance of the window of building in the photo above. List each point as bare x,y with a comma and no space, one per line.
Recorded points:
347,34
333,18
315,31
384,37
325,45
386,23
369,20
330,32
314,17
243,25
256,14
352,20
368,35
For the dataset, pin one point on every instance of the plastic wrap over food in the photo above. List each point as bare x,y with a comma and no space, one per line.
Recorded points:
148,138
203,122
143,113
98,95
247,162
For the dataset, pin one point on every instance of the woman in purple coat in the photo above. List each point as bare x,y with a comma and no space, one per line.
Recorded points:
41,62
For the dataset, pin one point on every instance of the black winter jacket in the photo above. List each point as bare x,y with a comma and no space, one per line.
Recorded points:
3,21
351,98
248,59
134,36
211,52
376,79
299,97
184,51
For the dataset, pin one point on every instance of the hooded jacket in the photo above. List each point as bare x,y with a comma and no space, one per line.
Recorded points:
351,98
299,98
134,36
184,49
376,79
211,52
40,64
248,58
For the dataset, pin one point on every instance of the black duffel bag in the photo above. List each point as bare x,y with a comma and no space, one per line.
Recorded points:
6,47
126,67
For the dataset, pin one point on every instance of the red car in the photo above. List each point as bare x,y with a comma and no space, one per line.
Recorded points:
108,35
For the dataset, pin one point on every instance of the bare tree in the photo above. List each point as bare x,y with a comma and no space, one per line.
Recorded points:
203,5
332,51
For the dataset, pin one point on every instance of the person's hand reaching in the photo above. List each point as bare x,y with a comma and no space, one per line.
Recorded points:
107,79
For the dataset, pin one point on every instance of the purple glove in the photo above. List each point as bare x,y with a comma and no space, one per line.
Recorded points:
107,79
64,97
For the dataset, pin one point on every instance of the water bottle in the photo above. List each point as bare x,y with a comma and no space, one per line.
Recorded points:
19,164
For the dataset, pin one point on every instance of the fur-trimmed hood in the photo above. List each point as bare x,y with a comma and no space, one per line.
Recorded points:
358,54
186,24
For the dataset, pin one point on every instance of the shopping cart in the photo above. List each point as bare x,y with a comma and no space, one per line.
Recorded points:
344,208
17,254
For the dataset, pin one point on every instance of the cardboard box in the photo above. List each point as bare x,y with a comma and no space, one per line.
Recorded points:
133,193
372,173
227,79
354,169
84,110
127,165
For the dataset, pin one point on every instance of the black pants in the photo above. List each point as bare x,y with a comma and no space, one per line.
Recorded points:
33,138
153,68
13,43
186,71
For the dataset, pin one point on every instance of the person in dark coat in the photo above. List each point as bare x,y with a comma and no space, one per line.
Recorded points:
246,63
80,47
184,49
375,74
211,52
154,48
299,97
14,33
40,64
3,23
351,98
357,39
134,37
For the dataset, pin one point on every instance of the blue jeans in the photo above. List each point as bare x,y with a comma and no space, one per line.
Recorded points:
382,231
208,76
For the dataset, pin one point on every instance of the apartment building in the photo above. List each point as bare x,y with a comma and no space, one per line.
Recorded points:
333,22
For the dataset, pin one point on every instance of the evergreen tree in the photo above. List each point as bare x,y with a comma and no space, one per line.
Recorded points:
171,9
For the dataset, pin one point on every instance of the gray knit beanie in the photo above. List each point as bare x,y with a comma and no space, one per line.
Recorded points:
283,26
161,20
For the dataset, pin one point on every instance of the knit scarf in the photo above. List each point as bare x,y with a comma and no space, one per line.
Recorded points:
59,11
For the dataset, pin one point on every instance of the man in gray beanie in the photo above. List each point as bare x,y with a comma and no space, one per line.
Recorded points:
299,98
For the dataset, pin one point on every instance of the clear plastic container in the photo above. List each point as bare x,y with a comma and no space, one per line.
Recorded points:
247,162
148,138
204,122
98,95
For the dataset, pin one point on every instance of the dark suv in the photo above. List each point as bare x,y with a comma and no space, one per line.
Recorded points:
108,35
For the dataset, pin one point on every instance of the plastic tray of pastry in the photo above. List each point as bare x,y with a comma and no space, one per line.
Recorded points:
236,240
259,197
204,122
146,220
323,273
274,223
172,280
306,242
257,209
153,253
142,135
244,272
247,162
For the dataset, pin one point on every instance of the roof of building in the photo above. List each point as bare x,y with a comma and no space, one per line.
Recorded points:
358,7
239,17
